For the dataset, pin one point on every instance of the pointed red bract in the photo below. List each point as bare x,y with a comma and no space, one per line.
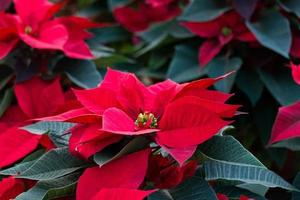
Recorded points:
38,98
296,73
179,130
15,144
122,173
87,140
8,33
287,123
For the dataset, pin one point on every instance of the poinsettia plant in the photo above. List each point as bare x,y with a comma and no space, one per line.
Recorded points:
149,99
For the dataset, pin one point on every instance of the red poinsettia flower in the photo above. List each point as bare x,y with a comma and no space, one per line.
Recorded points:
35,25
117,180
296,73
147,13
36,98
287,123
164,173
220,31
125,107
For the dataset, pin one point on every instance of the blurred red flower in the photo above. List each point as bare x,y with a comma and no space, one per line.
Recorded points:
35,24
146,14
220,31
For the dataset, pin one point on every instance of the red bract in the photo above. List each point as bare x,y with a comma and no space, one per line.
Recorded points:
8,34
164,173
224,197
220,31
146,14
295,48
11,188
118,180
36,98
287,123
35,25
296,73
127,107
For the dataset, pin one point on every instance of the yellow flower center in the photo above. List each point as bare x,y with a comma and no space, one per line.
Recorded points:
146,120
28,29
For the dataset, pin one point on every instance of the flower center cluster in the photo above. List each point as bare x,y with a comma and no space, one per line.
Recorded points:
226,31
28,29
146,120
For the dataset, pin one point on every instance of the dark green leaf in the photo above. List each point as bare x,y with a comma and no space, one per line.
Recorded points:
220,66
104,157
43,127
117,3
194,188
55,163
290,6
249,82
227,148
216,169
83,73
292,144
296,183
6,100
202,10
273,31
51,189
184,66
280,83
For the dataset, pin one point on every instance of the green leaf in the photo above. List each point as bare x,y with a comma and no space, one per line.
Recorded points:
43,127
220,66
83,73
292,144
116,3
184,66
158,33
53,164
106,156
6,100
273,31
216,169
277,80
227,148
202,10
249,82
107,35
290,6
296,183
51,189
17,169
194,188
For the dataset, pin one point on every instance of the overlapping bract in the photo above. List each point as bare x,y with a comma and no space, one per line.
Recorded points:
185,115
287,123
34,24
36,98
